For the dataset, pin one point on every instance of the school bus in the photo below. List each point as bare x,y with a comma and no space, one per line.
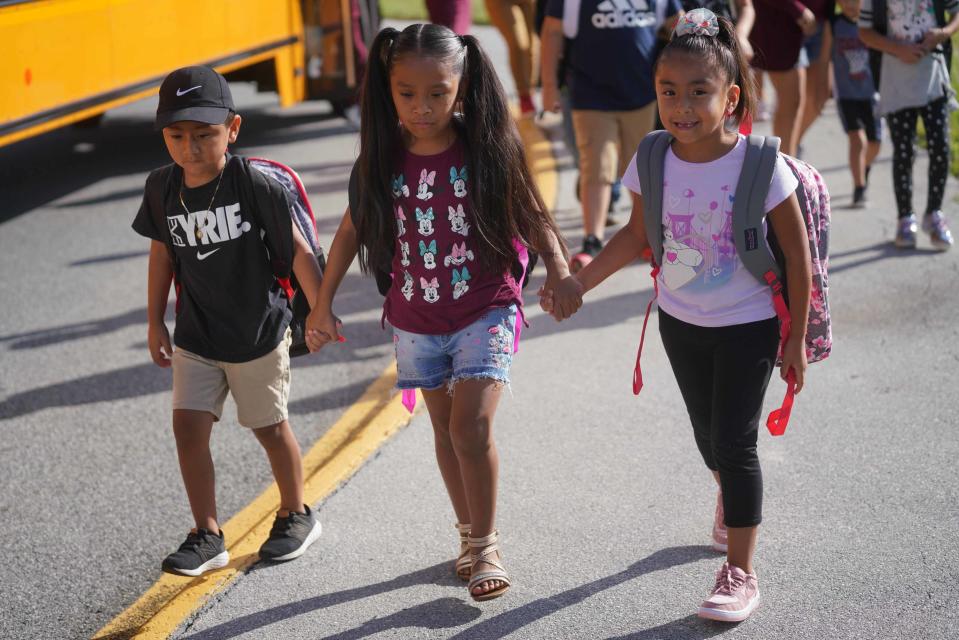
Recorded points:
69,61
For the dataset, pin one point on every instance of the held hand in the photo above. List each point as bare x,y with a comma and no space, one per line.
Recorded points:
158,340
807,22
566,297
794,357
545,299
933,38
910,53
551,97
322,327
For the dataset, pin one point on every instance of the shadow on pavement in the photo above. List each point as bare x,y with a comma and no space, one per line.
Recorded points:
442,613
515,619
75,330
129,382
438,614
688,628
879,251
110,257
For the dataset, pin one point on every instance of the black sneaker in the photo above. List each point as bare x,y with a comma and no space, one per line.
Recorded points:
592,245
859,198
202,551
291,536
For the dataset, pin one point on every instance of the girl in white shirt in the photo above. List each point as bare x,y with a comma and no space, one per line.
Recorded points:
718,323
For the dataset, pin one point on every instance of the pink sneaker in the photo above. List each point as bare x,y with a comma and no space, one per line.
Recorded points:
734,597
719,526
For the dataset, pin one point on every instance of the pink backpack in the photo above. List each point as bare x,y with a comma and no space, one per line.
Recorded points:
759,254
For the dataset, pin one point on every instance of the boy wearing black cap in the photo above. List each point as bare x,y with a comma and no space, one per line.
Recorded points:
223,238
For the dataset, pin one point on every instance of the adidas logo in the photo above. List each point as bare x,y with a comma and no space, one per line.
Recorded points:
617,14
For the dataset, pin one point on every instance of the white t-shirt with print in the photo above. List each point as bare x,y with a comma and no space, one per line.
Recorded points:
702,280
907,20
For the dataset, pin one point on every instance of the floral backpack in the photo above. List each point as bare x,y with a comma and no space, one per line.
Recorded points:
760,254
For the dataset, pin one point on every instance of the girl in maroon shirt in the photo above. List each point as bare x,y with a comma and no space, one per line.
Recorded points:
776,38
447,205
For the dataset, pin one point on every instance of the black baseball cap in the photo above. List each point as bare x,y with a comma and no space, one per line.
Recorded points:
194,93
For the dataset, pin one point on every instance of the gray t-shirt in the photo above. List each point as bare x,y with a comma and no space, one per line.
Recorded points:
850,58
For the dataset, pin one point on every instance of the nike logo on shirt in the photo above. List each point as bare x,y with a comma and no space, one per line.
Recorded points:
181,92
203,256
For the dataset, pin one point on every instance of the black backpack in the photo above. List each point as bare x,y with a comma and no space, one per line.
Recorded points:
261,179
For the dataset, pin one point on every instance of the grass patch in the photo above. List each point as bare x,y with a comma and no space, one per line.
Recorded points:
416,10
953,116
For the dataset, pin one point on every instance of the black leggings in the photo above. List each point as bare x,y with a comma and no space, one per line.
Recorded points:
902,129
723,373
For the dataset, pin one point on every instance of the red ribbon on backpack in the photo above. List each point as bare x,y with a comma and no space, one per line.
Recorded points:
638,369
779,418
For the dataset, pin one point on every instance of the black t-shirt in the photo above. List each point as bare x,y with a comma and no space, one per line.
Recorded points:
230,306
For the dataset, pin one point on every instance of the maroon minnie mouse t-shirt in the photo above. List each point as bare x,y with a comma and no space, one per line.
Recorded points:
438,284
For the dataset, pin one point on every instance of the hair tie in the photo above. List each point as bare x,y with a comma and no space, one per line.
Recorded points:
698,22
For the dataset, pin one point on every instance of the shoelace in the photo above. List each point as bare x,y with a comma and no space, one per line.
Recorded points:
282,525
726,582
193,541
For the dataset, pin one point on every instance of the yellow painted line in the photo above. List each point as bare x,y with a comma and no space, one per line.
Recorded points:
362,429
539,156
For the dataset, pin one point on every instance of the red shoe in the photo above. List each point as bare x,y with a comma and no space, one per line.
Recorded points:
579,261
526,105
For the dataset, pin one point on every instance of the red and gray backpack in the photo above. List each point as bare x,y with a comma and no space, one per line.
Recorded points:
760,254
302,214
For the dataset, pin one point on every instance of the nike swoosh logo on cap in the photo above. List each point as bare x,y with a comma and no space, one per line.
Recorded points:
204,256
180,92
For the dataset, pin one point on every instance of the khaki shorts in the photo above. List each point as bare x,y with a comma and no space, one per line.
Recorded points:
260,387
607,140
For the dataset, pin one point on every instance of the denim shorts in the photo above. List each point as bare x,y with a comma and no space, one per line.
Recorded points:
811,48
483,349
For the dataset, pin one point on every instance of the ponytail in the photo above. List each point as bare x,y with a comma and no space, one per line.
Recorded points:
505,197
379,140
721,51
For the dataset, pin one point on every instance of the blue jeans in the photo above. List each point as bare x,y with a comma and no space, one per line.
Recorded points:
483,349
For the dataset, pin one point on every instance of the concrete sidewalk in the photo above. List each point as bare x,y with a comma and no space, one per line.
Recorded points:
605,506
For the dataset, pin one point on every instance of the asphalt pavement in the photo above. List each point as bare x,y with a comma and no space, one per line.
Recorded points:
604,506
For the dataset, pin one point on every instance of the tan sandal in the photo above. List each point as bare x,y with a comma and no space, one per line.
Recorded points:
463,564
480,549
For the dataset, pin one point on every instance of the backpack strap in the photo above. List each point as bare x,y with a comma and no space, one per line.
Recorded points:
940,8
158,186
880,22
571,11
650,161
266,196
749,210
650,167
749,213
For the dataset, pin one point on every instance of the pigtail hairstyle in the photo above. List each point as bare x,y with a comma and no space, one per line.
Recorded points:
503,194
722,51
380,144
